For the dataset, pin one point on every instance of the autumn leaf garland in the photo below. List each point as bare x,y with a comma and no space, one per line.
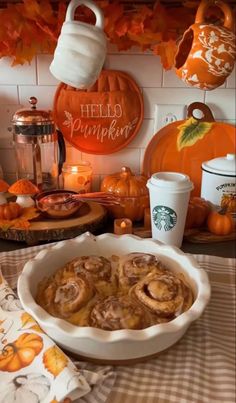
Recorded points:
32,27
28,28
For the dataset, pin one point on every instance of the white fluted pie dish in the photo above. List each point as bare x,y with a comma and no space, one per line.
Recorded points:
119,345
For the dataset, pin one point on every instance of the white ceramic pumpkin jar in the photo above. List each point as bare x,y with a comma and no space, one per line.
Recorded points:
219,182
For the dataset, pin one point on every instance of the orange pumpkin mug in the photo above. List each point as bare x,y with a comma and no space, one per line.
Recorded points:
206,54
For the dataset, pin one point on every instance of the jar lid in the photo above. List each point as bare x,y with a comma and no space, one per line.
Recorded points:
173,182
81,166
28,118
225,166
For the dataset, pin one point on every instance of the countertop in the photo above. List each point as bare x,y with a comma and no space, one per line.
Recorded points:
223,249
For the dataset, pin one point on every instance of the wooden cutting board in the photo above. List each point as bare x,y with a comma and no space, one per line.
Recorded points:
90,217
204,236
193,235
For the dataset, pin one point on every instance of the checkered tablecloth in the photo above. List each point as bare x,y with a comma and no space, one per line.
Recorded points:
200,368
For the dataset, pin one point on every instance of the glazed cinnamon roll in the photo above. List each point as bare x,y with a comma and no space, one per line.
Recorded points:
62,299
96,268
166,295
135,266
81,317
114,313
132,292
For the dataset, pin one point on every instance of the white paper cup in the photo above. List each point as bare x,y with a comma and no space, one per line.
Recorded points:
169,198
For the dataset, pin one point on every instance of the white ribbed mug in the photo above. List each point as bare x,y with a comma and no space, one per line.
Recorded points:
81,48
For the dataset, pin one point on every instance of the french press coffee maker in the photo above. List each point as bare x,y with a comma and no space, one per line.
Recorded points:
39,148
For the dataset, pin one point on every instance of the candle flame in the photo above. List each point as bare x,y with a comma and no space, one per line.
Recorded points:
123,224
74,169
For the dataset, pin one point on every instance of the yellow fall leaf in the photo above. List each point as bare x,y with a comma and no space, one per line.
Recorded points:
26,319
54,360
28,213
37,328
192,131
21,222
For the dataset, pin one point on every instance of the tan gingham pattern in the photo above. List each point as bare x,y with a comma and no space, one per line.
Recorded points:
200,368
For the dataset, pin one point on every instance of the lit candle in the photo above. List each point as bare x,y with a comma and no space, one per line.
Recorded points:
147,218
123,226
77,177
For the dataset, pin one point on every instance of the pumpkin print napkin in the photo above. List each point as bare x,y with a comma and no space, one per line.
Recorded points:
33,369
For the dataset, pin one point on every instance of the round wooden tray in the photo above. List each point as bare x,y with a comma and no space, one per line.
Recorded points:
90,217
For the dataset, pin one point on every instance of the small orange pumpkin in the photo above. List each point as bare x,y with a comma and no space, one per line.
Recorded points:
130,190
220,222
198,210
21,352
229,201
10,211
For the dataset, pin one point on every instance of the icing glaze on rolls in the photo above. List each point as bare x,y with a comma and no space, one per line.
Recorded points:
164,294
134,266
133,291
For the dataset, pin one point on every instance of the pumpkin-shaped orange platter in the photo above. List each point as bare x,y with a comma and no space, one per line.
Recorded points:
182,146
102,119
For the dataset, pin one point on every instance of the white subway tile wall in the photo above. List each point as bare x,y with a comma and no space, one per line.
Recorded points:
19,83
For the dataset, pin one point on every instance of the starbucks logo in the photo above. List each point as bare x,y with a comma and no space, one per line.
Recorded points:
164,218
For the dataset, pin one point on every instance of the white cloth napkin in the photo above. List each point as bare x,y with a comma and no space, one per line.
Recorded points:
33,369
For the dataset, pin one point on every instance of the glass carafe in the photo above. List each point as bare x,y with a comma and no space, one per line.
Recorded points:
39,148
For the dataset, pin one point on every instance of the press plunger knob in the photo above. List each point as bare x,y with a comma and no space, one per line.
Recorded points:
33,101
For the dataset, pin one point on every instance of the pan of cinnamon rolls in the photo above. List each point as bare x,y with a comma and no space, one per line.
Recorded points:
112,298
133,291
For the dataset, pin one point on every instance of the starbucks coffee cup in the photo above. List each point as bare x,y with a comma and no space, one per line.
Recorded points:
169,198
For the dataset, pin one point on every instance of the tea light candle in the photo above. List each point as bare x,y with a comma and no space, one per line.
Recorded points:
123,226
77,177
147,218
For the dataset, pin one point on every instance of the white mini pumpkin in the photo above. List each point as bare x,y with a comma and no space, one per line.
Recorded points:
31,388
10,303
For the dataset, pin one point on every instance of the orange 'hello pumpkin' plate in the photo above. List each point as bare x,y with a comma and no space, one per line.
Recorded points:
102,119
181,147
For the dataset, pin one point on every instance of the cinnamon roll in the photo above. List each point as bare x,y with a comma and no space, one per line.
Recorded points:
166,295
81,317
62,299
114,313
135,266
132,292
96,268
